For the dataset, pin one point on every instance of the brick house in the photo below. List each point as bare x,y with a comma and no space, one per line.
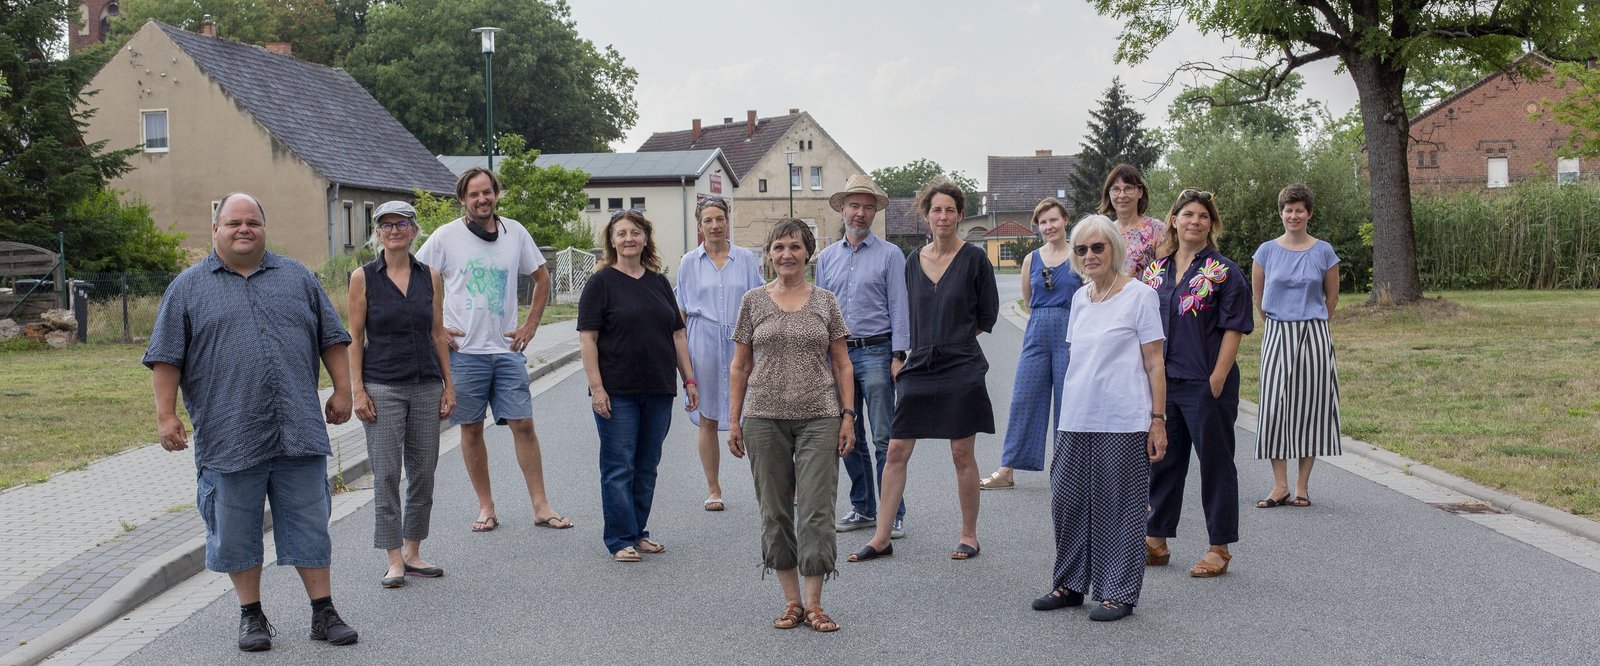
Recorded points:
758,149
1016,185
1486,135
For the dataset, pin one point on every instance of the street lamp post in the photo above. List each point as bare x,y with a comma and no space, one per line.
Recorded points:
790,155
487,35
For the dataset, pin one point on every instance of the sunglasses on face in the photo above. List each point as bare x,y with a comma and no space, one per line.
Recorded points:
1097,248
630,211
391,227
1121,190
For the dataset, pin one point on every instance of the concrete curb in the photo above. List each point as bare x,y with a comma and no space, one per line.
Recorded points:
177,565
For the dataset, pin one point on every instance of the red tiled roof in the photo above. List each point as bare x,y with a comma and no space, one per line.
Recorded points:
1009,229
742,148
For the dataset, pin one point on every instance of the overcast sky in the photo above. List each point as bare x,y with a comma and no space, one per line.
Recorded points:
951,81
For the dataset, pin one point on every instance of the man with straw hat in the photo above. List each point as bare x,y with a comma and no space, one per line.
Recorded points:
867,275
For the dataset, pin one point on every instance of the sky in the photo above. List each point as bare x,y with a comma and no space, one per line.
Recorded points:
892,82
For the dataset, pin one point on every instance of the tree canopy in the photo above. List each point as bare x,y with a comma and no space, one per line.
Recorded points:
549,201
1116,136
320,31
907,180
1378,42
554,88
1580,109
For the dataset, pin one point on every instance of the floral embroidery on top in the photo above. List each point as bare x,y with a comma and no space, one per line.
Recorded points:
1155,273
1212,272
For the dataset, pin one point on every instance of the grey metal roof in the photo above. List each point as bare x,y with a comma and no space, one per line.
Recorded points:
319,113
666,165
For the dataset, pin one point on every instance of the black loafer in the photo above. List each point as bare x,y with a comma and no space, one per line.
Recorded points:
424,572
255,633
1110,611
391,582
326,625
867,552
1057,599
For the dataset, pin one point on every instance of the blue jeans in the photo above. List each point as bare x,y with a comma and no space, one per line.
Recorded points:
630,451
230,503
483,381
874,400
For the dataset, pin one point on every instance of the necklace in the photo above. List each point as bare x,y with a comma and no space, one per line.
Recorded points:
1115,282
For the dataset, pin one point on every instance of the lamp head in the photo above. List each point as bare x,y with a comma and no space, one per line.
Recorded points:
487,34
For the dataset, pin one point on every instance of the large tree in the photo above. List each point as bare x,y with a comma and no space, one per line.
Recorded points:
551,86
1580,109
1116,136
907,180
1377,42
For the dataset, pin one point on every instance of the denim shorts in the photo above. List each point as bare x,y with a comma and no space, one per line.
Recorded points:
231,505
498,381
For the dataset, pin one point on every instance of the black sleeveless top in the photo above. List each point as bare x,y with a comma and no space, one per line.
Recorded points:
399,327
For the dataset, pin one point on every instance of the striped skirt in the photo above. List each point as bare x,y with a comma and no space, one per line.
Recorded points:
1299,391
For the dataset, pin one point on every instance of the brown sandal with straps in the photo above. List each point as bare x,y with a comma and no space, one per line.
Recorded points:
790,617
818,620
1204,569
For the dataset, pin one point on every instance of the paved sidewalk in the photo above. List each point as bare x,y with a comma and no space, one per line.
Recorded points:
72,542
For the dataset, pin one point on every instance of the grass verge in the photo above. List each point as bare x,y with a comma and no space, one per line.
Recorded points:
1500,387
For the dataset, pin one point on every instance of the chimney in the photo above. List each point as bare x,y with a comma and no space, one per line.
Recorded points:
281,48
750,122
794,112
208,27
694,130
727,120
1043,153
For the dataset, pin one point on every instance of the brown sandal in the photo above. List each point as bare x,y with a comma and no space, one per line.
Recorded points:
650,546
1156,558
818,620
1204,569
790,617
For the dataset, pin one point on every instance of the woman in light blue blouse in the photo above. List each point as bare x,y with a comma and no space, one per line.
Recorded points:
712,279
1296,285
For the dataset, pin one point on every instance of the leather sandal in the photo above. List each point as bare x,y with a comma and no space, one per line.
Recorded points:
1204,569
790,618
818,620
1156,558
629,554
996,482
651,546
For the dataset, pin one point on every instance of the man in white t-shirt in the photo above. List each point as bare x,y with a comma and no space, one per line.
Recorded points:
480,257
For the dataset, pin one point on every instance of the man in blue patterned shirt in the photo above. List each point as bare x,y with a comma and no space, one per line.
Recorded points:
241,333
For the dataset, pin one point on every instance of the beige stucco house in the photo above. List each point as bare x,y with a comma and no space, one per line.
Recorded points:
211,116
758,151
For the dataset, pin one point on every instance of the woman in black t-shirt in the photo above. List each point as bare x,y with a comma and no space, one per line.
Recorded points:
632,336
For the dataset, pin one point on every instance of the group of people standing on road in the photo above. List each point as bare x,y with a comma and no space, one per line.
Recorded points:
1130,350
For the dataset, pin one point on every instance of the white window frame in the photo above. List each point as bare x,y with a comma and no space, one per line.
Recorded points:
1007,252
1566,175
794,177
816,178
372,224
594,204
166,123
349,224
1504,167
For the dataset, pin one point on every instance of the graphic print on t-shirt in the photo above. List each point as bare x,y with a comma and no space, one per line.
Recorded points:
486,285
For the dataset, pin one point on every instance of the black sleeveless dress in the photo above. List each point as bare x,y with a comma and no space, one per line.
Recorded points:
941,392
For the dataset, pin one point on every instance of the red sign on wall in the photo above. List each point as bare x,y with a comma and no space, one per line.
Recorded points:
716,183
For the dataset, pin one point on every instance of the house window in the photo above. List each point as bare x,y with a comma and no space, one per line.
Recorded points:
1061,193
1567,170
349,224
368,214
594,203
794,178
155,130
761,185
636,203
1008,252
613,203
816,178
1433,159
1499,172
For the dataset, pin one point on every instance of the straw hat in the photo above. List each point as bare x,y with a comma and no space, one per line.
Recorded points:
858,184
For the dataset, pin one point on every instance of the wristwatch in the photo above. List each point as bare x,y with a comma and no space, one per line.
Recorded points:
1154,415
846,410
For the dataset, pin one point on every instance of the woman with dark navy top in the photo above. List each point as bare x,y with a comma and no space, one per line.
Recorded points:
1205,311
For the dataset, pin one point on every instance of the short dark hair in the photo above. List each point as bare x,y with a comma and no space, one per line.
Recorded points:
789,226
941,185
648,256
1129,174
474,172
1293,193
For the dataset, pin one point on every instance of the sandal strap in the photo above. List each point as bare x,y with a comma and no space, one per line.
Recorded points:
815,617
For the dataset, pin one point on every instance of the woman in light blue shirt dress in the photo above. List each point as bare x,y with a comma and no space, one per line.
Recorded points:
712,279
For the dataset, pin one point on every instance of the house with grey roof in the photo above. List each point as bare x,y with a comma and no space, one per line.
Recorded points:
1017,184
784,164
212,116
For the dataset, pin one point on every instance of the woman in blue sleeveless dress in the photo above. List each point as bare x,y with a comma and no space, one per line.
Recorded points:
1043,362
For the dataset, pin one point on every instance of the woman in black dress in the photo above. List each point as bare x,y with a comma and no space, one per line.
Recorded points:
940,393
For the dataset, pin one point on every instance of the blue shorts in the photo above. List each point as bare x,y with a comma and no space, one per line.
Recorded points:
498,381
231,505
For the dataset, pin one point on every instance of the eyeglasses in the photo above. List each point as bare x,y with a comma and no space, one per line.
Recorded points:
1196,194
1121,190
390,227
630,211
1097,248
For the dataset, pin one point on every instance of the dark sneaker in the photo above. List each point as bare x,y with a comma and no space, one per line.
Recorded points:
255,633
326,625
854,521
1110,611
899,529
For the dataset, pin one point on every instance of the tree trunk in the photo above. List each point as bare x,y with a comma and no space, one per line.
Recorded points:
1387,128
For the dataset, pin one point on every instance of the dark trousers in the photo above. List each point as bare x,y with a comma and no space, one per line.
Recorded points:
1198,421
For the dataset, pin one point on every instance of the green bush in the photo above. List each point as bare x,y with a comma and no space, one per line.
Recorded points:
1527,236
